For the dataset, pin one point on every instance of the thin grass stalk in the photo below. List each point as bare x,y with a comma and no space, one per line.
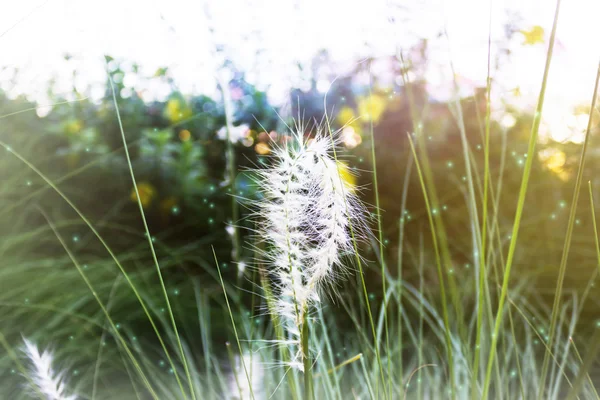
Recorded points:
380,240
470,199
138,395
309,393
204,325
517,354
541,340
400,260
440,229
108,249
589,379
421,315
449,351
237,338
520,205
357,259
482,251
480,259
235,213
330,353
596,239
104,310
100,347
151,244
570,226
233,369
367,379
591,353
277,327
291,378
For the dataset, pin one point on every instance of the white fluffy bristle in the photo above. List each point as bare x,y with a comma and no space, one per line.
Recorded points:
305,219
47,381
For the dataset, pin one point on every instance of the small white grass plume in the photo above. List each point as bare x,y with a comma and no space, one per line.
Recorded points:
306,219
47,381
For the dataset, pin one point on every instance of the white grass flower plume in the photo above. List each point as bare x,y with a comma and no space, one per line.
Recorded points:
309,219
47,381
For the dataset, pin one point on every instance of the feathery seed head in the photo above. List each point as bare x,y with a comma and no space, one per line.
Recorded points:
46,380
306,219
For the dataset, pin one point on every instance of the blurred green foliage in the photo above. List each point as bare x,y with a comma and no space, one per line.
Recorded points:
178,154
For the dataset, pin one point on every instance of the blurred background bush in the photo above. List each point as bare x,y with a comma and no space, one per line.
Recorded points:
178,152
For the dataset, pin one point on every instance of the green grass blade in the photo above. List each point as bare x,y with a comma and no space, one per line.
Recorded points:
438,261
381,251
233,371
107,248
235,214
100,347
104,309
591,353
482,250
358,261
520,205
237,338
570,226
309,393
151,244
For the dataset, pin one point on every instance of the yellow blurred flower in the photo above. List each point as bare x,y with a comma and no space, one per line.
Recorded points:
554,160
348,177
517,92
371,107
147,194
533,36
177,110
262,148
185,135
346,116
73,126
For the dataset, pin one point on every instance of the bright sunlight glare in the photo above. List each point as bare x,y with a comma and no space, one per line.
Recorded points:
37,34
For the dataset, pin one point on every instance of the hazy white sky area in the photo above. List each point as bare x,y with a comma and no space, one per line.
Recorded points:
35,34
